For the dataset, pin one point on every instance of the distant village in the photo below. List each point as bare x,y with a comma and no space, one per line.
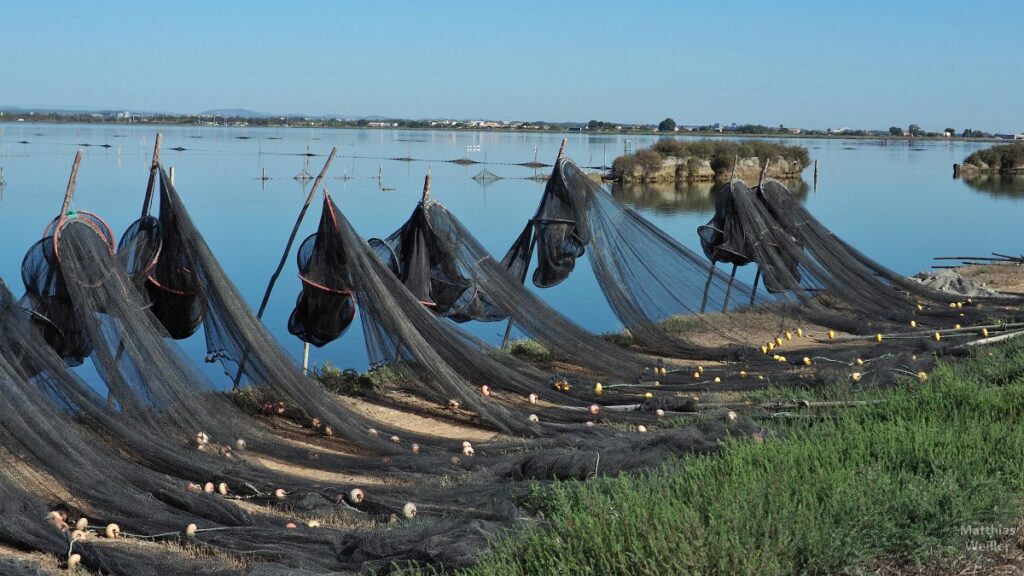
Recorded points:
244,118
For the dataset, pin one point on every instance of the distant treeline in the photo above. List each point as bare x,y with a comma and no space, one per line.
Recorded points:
720,153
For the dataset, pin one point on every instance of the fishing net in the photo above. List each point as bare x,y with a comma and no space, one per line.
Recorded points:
46,290
326,306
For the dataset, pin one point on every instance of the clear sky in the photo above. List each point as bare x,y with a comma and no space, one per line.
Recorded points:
814,64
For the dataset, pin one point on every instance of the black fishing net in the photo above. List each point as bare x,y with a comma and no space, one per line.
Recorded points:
326,306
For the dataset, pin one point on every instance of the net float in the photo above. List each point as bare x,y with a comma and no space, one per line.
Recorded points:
77,535
395,439
984,332
190,530
718,380
209,487
415,448
532,398
280,494
858,362
590,424
314,422
328,431
648,395
202,439
855,377
485,390
937,337
800,332
453,405
922,376
409,510
112,531
595,409
807,361
82,524
74,561
356,496
659,413
641,428
222,488
455,460
533,418
696,375
778,341
831,334
731,416
290,525
913,323
598,389
789,335
466,444
313,523
743,373
372,432
878,337
467,451
240,444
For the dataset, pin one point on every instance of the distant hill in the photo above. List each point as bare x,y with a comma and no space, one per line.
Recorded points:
236,113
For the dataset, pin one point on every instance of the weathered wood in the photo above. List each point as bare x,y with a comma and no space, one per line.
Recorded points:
69,193
287,251
154,169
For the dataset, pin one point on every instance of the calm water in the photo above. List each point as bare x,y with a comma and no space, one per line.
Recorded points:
895,202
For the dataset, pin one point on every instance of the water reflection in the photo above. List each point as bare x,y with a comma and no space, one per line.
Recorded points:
683,197
1005,185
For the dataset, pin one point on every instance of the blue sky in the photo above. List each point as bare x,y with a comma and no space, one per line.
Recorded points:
812,64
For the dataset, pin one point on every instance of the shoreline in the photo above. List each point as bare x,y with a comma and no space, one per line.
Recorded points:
553,131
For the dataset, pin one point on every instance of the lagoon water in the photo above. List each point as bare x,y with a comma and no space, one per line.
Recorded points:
897,202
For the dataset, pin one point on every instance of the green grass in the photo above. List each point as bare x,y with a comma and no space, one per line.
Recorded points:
894,480
529,350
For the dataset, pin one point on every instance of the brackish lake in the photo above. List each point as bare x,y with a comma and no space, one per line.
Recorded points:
896,202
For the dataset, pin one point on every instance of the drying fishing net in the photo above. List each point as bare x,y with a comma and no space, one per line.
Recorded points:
46,289
326,306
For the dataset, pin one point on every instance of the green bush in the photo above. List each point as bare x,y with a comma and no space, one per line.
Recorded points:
1003,157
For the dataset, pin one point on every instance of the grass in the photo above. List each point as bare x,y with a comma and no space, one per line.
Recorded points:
898,480
529,350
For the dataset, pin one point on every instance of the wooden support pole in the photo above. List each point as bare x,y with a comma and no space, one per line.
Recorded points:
287,251
426,186
533,241
815,168
154,169
764,172
170,175
753,291
728,291
707,286
305,358
69,193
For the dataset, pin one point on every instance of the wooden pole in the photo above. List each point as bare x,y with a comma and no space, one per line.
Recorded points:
287,251
70,191
170,175
707,286
764,172
426,186
753,291
728,291
815,168
305,358
533,244
154,169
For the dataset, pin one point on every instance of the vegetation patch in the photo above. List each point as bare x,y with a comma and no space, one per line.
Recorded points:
718,155
916,478
1004,158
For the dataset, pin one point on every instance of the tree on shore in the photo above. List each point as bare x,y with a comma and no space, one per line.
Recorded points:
667,125
895,131
915,130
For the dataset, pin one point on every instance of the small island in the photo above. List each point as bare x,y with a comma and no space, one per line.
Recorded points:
709,160
1002,159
